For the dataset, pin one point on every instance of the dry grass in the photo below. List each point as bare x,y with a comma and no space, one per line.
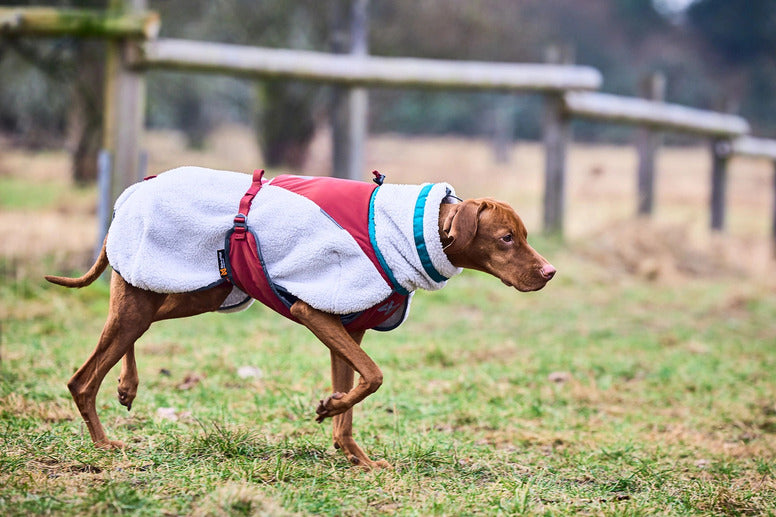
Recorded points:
601,198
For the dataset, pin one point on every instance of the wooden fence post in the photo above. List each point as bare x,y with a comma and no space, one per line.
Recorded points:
358,97
503,127
720,155
760,148
123,116
648,142
349,104
339,108
557,133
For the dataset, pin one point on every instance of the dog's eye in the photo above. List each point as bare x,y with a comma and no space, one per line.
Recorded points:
507,238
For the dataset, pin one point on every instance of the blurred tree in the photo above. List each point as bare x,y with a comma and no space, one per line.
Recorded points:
743,35
488,30
741,30
284,112
625,39
75,110
32,103
285,118
639,18
86,109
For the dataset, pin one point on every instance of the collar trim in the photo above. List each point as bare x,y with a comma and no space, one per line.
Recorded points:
380,258
420,241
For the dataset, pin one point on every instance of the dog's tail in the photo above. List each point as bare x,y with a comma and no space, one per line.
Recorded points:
93,274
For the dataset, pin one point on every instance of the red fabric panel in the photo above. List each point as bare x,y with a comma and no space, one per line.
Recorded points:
345,201
248,275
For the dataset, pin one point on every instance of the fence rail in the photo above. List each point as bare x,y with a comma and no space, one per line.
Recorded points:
727,133
371,71
653,114
754,147
84,23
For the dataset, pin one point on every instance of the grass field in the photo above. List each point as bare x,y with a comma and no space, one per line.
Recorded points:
640,381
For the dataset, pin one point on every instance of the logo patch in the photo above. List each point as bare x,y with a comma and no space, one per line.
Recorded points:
222,264
388,307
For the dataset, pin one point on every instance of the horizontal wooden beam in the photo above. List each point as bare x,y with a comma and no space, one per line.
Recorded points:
755,147
50,21
656,114
364,70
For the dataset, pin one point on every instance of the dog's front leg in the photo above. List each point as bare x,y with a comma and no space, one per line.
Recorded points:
342,376
328,328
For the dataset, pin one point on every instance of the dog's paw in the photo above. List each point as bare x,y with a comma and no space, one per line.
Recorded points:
126,398
361,460
110,444
356,456
126,395
329,407
369,464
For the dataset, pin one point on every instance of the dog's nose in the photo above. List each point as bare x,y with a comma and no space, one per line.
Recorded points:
548,271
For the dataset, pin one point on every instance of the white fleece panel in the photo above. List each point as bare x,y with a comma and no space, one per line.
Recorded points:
394,214
311,256
166,231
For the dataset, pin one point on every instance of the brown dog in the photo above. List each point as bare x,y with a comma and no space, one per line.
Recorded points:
480,234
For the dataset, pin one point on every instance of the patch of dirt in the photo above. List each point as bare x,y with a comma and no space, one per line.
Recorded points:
668,251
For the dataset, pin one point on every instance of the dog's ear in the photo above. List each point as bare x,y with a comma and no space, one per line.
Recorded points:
460,226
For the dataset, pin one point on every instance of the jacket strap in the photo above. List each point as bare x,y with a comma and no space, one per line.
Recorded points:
240,220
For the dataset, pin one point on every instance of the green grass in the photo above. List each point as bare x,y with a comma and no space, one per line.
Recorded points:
23,194
18,193
665,403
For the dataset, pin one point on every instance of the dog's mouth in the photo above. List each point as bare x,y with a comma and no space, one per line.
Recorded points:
526,288
521,288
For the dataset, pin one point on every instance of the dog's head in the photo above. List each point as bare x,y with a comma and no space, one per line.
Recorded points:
488,235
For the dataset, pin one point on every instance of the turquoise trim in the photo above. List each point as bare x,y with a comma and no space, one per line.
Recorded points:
420,241
373,239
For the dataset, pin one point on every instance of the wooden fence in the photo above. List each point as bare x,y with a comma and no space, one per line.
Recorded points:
133,48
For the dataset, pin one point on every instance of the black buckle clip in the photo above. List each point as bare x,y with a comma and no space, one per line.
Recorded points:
240,226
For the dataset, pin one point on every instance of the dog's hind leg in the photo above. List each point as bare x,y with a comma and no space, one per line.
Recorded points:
130,314
173,306
342,376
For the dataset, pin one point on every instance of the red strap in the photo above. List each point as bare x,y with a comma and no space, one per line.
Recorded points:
245,204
